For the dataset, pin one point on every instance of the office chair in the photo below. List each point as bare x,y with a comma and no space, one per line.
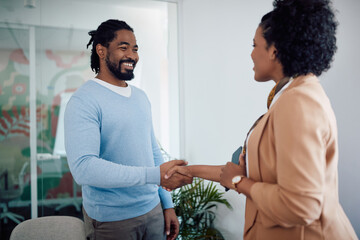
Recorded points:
8,194
51,227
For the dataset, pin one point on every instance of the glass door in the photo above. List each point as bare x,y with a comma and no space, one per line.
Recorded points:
15,122
63,66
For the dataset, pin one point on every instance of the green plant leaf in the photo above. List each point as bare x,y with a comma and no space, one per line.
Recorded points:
194,205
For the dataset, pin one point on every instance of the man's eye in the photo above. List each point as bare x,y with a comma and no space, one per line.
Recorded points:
135,50
123,48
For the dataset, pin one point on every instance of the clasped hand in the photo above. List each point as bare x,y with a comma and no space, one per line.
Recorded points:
177,179
175,173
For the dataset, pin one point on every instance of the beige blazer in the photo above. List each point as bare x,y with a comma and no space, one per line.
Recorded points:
293,157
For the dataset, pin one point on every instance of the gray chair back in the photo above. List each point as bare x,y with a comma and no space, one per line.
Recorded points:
50,228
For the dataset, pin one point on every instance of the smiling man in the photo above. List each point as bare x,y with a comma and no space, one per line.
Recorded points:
111,148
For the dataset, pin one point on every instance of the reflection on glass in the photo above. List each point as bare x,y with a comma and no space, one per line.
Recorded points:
14,120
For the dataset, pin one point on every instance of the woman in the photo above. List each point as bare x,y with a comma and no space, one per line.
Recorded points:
292,150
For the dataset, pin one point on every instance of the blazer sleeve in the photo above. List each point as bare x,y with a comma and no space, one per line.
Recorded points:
300,132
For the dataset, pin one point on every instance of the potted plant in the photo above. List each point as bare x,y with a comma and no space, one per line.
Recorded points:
194,205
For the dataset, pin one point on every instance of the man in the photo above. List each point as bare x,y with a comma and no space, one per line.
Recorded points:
111,147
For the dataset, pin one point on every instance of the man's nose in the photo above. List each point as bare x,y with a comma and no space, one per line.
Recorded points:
131,55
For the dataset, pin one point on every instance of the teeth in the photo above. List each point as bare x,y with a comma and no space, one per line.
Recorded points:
128,64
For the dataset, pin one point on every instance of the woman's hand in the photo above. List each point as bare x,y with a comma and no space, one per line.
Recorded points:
242,164
183,170
231,170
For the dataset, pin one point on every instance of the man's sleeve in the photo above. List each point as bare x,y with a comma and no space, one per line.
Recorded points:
164,195
82,143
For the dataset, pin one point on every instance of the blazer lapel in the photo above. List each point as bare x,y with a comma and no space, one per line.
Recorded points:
253,153
254,169
253,147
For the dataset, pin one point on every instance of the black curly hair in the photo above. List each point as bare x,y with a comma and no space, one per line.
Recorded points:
104,34
303,32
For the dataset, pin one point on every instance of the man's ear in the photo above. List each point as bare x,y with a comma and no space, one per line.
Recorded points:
100,50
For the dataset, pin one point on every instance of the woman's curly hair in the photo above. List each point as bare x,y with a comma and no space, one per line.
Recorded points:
303,32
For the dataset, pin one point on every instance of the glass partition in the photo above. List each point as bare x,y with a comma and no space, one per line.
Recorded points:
14,122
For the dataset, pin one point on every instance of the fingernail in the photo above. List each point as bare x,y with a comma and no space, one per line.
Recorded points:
167,233
166,176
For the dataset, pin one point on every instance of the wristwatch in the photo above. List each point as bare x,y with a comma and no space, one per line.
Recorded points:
235,180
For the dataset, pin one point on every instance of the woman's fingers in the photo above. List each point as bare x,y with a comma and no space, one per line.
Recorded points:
167,189
241,159
178,169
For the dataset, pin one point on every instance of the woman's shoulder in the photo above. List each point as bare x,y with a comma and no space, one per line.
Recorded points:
303,100
306,90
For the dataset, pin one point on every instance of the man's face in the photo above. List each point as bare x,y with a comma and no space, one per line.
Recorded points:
122,55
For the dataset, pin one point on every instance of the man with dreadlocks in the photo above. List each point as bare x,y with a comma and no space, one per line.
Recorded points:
111,147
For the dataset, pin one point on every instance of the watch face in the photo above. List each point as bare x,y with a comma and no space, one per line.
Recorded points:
236,179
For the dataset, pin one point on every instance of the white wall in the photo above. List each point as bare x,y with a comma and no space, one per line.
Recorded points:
342,83
221,100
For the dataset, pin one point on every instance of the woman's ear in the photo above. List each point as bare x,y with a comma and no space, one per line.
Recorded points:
273,52
100,50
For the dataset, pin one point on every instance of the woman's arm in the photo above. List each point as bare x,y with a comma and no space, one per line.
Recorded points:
207,172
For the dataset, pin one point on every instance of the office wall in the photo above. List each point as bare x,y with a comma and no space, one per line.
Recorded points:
342,83
221,100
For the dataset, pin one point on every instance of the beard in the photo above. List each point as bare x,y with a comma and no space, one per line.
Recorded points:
116,69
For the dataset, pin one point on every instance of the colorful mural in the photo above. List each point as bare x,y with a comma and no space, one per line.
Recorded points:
56,72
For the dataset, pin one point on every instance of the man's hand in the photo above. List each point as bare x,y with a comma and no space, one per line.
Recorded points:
177,180
171,224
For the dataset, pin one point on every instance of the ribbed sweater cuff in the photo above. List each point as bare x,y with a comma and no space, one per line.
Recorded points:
153,175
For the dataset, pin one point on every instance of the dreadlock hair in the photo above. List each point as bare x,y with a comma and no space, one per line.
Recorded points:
303,32
103,35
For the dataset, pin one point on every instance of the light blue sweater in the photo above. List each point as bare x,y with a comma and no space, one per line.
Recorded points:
112,152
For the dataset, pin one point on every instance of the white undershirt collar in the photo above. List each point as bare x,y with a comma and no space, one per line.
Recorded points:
123,91
278,94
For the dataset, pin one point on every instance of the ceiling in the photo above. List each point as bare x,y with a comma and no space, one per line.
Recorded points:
14,20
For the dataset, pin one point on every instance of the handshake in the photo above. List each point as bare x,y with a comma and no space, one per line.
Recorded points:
175,173
170,176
